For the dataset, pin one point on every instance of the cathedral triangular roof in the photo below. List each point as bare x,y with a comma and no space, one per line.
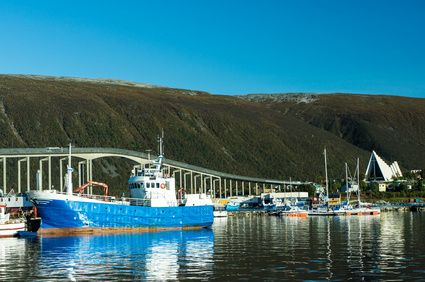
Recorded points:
378,169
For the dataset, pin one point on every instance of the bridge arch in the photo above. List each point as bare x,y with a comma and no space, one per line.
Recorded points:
196,179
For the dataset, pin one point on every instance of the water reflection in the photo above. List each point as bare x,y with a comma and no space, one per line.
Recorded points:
148,256
321,248
11,250
386,247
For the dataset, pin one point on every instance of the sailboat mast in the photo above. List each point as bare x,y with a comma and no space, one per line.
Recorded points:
346,183
358,181
326,177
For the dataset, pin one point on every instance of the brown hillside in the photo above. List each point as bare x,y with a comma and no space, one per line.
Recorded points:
271,138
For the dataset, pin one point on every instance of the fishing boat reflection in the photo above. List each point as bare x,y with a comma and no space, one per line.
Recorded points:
152,256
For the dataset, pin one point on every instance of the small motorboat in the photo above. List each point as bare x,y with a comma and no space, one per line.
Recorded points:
9,227
233,206
220,211
293,211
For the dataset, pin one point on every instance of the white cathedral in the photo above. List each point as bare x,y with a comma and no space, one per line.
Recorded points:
378,170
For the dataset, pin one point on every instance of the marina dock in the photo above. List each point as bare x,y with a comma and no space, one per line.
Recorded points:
413,207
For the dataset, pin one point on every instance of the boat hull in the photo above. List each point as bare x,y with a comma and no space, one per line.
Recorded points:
346,212
321,213
11,229
74,215
294,214
363,211
232,208
220,213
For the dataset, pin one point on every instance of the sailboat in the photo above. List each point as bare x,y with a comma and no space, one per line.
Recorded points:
360,209
324,208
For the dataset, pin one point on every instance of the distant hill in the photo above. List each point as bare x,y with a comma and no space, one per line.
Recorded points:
393,126
274,136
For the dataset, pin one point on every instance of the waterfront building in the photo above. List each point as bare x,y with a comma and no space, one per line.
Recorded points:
382,187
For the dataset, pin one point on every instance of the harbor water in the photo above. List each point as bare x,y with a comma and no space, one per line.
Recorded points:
389,246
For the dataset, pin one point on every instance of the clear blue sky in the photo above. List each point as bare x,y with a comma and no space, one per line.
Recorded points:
224,47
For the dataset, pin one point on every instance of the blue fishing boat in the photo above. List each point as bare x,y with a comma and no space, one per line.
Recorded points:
154,203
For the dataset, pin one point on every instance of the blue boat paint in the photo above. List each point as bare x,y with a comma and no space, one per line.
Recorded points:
74,214
232,206
26,234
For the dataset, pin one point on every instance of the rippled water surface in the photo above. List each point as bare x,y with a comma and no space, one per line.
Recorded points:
390,246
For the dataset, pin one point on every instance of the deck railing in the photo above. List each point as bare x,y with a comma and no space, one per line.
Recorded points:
123,200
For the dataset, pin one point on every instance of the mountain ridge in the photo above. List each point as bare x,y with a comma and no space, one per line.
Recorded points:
262,138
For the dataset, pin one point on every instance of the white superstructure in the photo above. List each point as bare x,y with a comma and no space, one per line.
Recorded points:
151,186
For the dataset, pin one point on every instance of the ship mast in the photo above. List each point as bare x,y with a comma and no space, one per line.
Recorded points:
69,173
161,144
161,151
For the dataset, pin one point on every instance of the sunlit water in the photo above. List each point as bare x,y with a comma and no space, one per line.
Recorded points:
386,247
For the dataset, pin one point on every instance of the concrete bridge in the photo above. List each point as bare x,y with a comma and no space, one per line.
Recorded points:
193,178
